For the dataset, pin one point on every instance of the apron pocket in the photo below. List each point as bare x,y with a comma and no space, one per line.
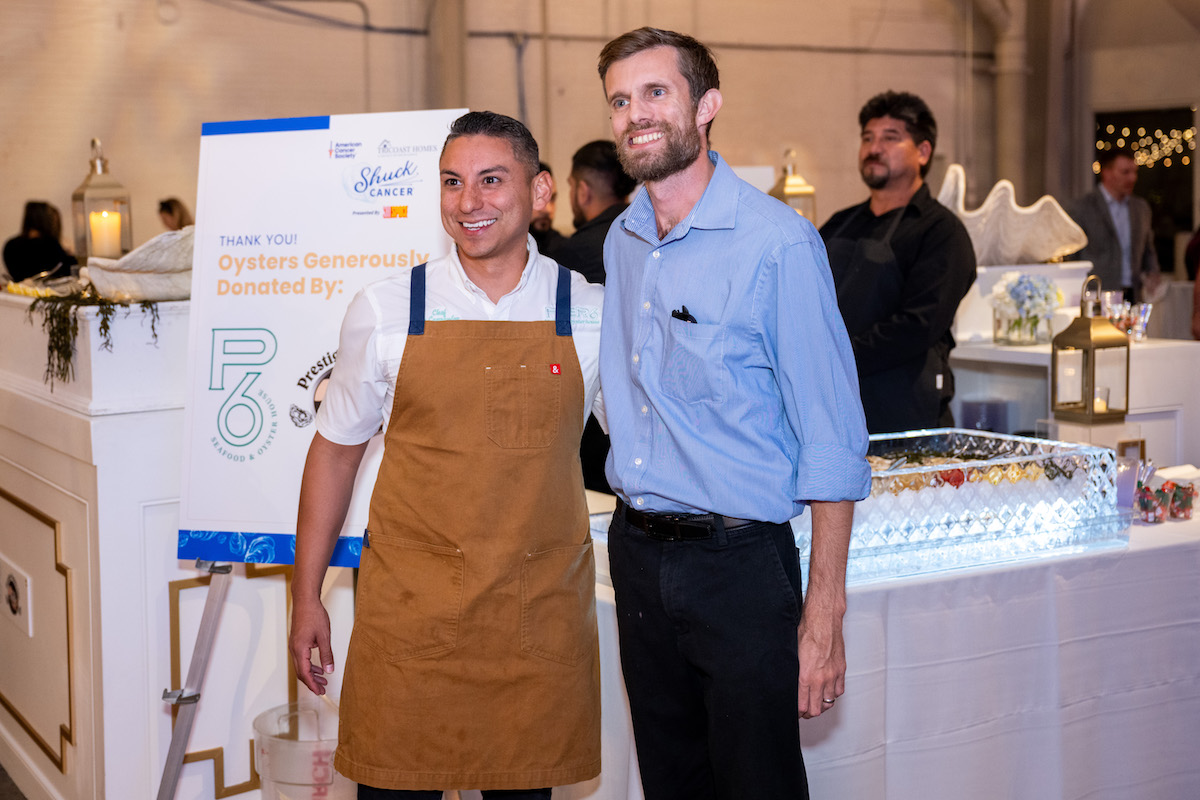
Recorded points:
523,404
558,606
410,595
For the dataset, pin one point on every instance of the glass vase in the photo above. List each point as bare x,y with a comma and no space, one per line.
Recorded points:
1019,331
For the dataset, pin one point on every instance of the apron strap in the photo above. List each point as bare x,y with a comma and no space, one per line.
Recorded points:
846,222
887,238
562,304
416,302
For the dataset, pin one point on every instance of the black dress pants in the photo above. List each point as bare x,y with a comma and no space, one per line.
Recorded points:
707,630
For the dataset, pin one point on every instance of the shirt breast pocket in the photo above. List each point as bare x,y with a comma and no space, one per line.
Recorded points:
693,367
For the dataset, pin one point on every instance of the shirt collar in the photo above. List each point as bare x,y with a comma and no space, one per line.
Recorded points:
1108,198
716,208
467,287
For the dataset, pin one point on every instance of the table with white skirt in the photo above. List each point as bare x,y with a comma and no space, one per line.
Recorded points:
1067,677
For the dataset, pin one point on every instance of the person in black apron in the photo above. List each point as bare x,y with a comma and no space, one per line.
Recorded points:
901,264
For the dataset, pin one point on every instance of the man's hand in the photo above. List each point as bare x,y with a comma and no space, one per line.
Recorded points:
325,493
822,653
821,649
310,629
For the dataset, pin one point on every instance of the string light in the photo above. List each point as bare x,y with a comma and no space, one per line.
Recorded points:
1149,150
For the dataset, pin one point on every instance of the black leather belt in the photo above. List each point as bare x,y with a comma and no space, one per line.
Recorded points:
677,527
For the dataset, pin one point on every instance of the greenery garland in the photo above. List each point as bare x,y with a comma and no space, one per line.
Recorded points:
60,321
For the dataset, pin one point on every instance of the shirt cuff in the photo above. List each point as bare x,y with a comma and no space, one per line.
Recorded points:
831,472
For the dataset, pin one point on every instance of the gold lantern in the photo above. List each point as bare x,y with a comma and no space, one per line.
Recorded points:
1089,366
100,212
792,189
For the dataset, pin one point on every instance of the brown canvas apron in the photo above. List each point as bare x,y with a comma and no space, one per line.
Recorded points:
474,663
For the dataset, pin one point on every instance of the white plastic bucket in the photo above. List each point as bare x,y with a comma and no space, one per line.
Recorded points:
294,746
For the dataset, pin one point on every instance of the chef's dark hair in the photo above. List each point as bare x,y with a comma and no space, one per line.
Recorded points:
911,110
489,123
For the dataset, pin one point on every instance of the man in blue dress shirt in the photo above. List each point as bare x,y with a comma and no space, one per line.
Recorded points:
732,400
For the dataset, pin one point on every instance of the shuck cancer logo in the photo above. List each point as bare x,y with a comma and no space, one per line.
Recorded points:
370,183
247,420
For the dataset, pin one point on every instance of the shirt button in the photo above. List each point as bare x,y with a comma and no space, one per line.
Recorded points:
645,409
646,305
637,462
636,358
656,254
641,501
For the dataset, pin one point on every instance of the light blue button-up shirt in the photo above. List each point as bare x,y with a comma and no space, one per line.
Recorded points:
753,410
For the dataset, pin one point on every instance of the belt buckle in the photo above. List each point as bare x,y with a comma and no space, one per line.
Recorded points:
674,528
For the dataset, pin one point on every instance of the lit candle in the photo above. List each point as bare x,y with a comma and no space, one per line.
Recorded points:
1100,405
106,233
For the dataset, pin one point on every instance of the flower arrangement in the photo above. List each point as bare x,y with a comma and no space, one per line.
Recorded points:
1021,304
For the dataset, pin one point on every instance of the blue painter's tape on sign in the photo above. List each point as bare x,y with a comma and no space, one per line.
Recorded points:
258,548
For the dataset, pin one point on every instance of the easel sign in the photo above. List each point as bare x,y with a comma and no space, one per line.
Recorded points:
294,216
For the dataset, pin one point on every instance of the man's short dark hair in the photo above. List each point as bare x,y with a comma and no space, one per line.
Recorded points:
696,62
1107,157
598,161
911,110
489,123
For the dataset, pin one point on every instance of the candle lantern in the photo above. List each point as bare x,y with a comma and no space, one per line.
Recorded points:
100,212
1089,366
792,189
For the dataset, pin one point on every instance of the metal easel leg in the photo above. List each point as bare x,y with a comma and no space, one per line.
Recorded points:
188,696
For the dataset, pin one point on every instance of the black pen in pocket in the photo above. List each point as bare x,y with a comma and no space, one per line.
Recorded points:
683,314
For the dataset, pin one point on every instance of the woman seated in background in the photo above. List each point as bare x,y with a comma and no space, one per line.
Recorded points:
175,215
38,249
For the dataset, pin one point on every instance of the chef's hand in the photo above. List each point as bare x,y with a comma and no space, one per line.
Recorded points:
310,629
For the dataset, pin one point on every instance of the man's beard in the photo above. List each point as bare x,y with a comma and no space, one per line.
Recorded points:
874,180
682,148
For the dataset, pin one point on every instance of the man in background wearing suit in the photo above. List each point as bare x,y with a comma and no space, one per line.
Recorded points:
1117,223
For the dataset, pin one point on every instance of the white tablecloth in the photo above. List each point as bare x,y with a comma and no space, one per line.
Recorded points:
1068,677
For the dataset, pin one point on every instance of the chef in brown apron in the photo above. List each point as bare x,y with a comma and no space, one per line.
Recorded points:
473,662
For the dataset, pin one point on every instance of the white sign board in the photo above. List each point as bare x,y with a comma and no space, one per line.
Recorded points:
293,217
